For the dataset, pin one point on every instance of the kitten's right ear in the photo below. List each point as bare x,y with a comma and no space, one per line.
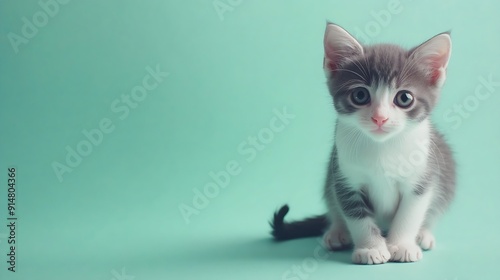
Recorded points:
339,45
433,56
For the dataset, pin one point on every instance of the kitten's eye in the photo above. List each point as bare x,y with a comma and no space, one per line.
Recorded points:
403,99
360,96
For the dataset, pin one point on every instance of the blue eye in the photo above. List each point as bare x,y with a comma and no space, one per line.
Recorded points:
360,96
404,99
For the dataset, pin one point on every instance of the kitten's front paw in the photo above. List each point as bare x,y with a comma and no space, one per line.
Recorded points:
405,252
337,239
426,240
377,255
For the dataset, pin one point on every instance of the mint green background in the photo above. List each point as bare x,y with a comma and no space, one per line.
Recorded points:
119,207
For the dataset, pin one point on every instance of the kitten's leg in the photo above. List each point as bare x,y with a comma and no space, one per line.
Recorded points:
425,239
351,205
369,245
406,225
337,237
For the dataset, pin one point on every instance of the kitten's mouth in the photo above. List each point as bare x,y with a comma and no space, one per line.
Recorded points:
379,130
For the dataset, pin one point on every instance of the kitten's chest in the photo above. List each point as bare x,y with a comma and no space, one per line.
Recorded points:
384,170
400,161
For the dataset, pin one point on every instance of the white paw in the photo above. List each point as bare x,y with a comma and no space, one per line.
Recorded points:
426,240
405,252
335,239
377,255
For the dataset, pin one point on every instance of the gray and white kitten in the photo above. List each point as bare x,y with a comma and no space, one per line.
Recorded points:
391,174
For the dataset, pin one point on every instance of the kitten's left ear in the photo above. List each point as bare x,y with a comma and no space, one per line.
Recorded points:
433,56
339,46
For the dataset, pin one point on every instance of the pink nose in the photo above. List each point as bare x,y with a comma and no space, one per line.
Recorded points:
378,120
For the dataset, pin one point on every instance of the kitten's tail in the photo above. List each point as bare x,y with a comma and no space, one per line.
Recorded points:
314,226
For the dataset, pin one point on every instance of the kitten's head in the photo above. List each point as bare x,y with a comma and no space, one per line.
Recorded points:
384,89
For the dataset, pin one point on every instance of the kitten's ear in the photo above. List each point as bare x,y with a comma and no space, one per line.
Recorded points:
433,56
339,44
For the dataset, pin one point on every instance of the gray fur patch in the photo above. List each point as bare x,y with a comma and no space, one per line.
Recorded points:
354,204
382,64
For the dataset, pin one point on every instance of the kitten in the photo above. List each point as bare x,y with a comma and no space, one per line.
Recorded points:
391,174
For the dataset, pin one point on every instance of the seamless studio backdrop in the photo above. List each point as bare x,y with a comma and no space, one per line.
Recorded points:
154,139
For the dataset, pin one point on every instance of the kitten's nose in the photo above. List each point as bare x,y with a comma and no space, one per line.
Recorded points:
379,120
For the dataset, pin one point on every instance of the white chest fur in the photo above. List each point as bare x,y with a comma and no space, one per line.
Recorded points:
386,170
